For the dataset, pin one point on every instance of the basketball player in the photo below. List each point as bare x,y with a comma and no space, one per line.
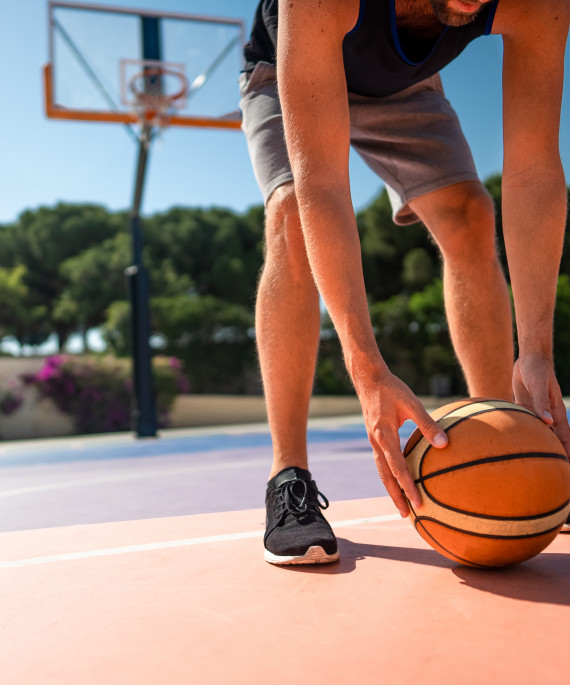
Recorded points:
324,74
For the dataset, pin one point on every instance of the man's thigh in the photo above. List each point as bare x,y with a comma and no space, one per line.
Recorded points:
413,141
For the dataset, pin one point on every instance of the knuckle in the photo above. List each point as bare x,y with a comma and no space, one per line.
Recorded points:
380,462
382,475
399,471
426,425
385,437
382,468
379,433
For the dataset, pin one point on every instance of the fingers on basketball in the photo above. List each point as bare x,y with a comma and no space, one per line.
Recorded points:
393,471
560,424
429,428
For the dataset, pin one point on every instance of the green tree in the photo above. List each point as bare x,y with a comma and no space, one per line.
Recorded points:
18,319
413,336
95,278
214,339
62,270
331,376
220,250
384,248
116,328
42,240
418,269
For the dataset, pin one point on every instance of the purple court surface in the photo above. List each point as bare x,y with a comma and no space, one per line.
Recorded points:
101,479
110,478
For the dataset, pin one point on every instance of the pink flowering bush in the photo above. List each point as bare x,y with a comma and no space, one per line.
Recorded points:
97,392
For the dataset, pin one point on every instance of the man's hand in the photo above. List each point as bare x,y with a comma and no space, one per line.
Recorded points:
385,406
536,388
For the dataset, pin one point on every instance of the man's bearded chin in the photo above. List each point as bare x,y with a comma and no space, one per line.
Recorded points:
450,17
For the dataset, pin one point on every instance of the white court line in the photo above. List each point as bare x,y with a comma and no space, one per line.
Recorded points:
171,544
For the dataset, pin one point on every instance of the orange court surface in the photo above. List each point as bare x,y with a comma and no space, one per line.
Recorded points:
188,598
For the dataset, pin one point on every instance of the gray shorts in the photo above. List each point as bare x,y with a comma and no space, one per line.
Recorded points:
412,140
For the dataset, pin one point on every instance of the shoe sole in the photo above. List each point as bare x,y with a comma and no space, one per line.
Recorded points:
314,555
565,528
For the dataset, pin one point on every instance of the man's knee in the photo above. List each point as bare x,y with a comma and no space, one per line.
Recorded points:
466,233
283,232
284,242
282,203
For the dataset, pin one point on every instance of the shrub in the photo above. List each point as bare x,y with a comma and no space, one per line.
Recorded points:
97,392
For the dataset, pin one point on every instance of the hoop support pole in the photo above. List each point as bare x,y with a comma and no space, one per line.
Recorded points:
144,411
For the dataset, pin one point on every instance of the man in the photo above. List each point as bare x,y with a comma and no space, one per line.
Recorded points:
366,74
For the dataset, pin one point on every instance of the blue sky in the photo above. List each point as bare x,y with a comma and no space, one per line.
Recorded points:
43,162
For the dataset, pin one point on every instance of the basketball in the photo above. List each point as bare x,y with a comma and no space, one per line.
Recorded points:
498,493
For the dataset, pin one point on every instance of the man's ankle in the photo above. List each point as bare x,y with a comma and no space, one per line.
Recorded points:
281,464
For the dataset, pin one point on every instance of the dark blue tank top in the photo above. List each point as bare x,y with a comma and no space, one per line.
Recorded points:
375,60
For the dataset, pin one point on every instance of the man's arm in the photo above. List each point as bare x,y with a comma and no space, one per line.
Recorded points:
313,94
534,190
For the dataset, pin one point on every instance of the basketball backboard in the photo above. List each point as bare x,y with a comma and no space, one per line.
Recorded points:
97,53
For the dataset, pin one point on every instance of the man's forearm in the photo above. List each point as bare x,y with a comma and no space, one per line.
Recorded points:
333,249
534,217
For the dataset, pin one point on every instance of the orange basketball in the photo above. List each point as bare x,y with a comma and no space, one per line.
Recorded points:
499,493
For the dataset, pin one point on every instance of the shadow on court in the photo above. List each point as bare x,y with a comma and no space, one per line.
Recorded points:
351,553
543,579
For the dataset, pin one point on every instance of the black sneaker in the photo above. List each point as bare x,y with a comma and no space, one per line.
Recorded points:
296,531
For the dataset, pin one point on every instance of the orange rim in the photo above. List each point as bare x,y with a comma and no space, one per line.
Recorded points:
159,99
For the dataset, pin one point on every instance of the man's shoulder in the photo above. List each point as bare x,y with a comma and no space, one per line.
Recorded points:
523,17
328,11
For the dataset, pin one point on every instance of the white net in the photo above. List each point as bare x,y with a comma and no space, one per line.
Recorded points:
154,90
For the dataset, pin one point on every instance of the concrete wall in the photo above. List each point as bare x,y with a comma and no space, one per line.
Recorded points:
38,416
215,410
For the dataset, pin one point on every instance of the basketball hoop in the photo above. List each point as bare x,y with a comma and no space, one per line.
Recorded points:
154,91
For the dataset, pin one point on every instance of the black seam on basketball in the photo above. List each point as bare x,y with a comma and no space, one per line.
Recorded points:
464,418
488,536
496,517
451,554
509,407
490,460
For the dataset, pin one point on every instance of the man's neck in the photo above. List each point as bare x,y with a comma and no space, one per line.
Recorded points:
416,18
